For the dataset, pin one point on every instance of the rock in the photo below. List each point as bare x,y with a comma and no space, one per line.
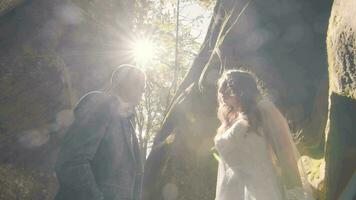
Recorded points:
51,53
340,154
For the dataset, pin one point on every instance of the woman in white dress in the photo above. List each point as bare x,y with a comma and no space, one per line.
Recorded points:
257,156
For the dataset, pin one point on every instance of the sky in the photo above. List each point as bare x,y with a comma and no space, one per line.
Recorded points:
192,10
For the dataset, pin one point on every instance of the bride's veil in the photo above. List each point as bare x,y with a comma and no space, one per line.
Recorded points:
275,126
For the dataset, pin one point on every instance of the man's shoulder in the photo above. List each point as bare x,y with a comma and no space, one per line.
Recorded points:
94,100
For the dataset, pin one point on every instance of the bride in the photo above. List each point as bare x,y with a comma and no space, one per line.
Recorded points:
258,158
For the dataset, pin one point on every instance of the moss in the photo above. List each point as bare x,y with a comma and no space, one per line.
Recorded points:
315,171
19,183
341,54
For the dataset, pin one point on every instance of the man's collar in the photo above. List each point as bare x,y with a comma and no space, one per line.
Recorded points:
125,109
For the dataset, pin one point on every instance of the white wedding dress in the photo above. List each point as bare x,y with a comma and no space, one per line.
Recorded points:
246,171
245,166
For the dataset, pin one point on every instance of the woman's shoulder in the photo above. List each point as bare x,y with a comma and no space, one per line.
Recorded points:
240,126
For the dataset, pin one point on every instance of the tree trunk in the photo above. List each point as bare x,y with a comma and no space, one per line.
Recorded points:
282,42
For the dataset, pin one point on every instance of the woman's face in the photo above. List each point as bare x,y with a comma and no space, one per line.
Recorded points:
228,97
230,100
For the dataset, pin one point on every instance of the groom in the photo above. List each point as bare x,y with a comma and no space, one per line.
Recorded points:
99,157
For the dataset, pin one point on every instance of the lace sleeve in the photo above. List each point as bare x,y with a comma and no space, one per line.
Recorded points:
240,127
226,141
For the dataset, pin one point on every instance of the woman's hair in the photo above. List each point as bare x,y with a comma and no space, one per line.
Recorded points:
243,86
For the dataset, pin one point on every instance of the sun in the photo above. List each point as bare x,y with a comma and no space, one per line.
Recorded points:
143,50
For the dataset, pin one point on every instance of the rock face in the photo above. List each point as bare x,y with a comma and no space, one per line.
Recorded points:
51,53
31,79
283,42
8,5
341,138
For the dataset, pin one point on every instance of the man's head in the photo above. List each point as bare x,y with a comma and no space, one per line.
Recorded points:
128,83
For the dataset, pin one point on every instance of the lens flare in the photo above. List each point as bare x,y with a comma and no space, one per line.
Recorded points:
143,50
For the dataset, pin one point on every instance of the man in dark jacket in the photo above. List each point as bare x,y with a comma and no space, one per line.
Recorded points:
99,157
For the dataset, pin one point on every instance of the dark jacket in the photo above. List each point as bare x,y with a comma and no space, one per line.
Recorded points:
99,157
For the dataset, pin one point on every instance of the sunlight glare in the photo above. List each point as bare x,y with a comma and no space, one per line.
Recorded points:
143,50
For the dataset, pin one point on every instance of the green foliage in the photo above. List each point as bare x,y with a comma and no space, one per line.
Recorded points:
156,20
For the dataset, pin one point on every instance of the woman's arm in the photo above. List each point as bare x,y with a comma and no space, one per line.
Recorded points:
227,140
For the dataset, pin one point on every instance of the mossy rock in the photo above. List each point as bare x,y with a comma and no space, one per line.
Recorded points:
340,151
19,183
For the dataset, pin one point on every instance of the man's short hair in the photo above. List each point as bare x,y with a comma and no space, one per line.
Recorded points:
125,72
